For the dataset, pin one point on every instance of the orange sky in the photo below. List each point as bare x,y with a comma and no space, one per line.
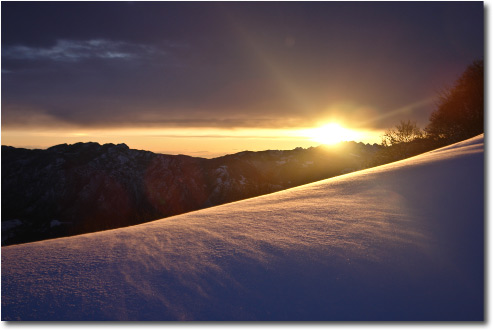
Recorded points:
203,142
208,79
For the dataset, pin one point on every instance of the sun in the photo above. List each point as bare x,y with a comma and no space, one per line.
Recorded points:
332,133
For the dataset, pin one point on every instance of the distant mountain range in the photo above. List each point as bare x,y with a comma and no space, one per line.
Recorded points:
86,187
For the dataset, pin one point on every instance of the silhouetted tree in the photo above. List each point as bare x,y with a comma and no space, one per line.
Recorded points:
405,131
460,109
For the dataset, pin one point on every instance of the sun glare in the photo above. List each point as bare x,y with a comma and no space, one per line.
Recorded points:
332,133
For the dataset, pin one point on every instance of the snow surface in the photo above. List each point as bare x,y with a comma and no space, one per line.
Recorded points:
403,241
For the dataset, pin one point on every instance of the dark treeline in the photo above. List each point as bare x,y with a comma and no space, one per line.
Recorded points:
459,115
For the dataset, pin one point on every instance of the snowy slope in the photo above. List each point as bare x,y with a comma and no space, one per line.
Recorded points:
402,241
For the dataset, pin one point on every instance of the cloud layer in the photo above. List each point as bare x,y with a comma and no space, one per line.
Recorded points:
232,64
75,51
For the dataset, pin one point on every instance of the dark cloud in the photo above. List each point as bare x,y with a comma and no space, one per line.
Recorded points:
231,64
76,51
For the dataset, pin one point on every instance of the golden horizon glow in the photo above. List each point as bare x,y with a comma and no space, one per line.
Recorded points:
203,142
332,133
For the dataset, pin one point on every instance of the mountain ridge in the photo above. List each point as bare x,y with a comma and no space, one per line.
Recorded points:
71,189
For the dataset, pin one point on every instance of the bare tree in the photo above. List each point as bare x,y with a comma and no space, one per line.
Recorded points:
405,131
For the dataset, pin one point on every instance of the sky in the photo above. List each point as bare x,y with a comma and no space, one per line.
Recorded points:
212,78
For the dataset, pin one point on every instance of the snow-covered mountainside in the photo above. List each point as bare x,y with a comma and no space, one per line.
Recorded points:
85,187
403,241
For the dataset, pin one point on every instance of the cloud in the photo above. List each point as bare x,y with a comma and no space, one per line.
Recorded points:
26,115
78,50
